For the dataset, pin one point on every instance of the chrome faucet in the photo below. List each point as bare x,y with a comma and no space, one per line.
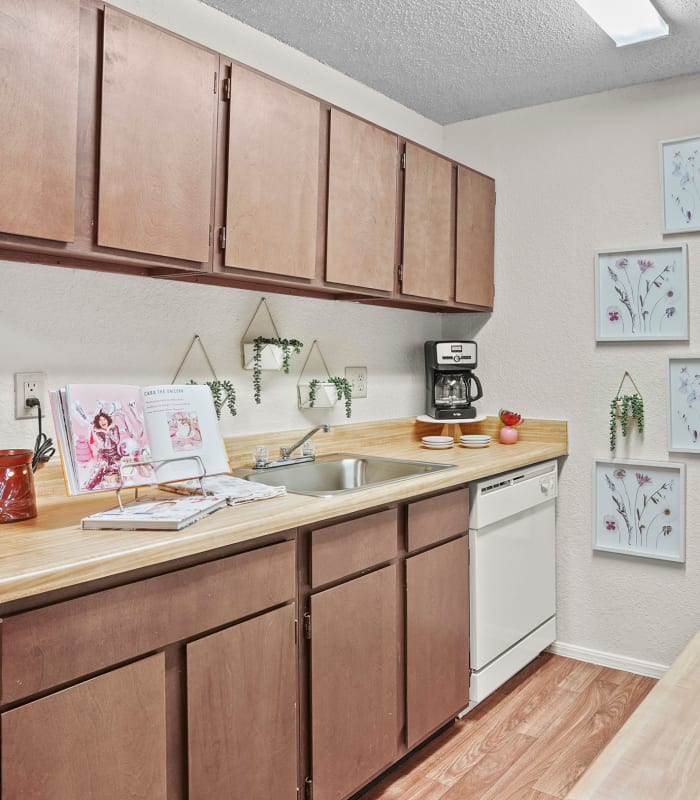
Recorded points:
286,452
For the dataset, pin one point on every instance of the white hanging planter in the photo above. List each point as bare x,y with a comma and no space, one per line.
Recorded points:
271,356
326,395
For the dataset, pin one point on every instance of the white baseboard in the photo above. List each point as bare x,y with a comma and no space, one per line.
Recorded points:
603,659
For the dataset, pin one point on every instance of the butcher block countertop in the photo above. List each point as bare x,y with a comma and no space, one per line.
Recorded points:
656,753
52,552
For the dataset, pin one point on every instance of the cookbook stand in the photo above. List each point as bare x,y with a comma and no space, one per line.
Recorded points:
131,465
450,428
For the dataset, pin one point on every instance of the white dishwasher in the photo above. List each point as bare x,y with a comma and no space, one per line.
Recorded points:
511,573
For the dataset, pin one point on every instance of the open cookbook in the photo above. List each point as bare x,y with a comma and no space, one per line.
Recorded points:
114,436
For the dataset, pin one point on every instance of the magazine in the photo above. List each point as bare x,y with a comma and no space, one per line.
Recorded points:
155,513
235,490
113,435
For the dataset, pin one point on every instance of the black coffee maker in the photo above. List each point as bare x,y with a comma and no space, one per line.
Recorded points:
450,385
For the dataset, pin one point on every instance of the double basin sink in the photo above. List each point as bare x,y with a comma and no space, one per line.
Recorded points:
340,473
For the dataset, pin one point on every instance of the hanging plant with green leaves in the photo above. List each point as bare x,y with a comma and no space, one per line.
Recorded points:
343,390
223,394
288,346
623,408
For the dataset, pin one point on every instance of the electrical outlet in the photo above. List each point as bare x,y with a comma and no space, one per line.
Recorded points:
28,385
358,380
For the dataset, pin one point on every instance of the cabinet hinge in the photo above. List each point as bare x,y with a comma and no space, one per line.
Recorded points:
399,273
403,160
222,238
226,89
308,789
307,625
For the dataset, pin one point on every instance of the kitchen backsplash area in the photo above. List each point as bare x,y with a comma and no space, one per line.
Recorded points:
80,326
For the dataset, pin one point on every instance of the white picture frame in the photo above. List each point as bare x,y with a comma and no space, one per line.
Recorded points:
684,404
680,184
641,293
638,508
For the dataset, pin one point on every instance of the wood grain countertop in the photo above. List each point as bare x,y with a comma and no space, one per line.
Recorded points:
52,552
656,753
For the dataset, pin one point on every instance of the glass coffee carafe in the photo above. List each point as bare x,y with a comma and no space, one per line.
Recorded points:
451,390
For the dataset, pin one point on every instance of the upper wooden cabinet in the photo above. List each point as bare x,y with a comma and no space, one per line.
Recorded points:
38,117
272,190
476,200
362,203
428,242
126,147
158,127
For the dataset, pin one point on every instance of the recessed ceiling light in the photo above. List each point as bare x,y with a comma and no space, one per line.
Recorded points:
626,21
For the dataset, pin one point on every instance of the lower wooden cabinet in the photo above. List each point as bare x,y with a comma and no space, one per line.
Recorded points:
192,684
437,637
354,682
388,649
102,739
242,710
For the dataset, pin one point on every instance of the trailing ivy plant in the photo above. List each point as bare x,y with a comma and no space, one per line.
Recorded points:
286,345
625,407
343,389
223,394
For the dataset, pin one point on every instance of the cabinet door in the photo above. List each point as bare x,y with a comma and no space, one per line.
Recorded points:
354,682
103,739
476,200
437,637
428,241
362,203
241,710
38,117
156,142
273,177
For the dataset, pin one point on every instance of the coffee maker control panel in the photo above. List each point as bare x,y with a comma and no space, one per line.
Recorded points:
461,354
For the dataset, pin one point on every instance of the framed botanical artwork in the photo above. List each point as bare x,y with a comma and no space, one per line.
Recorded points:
638,508
680,184
641,294
684,404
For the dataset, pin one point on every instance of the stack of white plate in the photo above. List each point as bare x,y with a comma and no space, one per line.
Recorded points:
475,440
438,442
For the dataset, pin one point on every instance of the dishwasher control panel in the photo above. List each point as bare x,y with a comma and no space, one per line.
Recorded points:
496,498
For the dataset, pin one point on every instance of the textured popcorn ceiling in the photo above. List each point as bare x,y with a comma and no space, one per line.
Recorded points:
452,60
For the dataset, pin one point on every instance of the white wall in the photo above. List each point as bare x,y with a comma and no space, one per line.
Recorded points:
574,177
81,326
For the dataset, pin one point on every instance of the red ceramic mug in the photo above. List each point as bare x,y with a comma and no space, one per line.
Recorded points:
17,498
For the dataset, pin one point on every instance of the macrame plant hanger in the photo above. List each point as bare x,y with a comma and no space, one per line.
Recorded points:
626,375
222,391
247,344
303,386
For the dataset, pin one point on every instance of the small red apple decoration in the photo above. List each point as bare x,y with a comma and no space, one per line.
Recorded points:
509,418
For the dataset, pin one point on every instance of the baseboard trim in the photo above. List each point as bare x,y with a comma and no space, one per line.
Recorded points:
603,659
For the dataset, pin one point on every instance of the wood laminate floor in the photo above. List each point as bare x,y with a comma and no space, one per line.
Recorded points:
530,740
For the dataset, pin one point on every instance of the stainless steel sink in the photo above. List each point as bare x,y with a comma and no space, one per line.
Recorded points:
339,473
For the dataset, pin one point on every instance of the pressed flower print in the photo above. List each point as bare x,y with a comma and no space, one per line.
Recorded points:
684,404
680,170
638,509
642,294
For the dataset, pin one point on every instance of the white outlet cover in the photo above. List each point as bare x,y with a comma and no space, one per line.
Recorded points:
21,410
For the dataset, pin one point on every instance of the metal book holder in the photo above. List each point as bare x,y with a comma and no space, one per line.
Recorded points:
130,465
